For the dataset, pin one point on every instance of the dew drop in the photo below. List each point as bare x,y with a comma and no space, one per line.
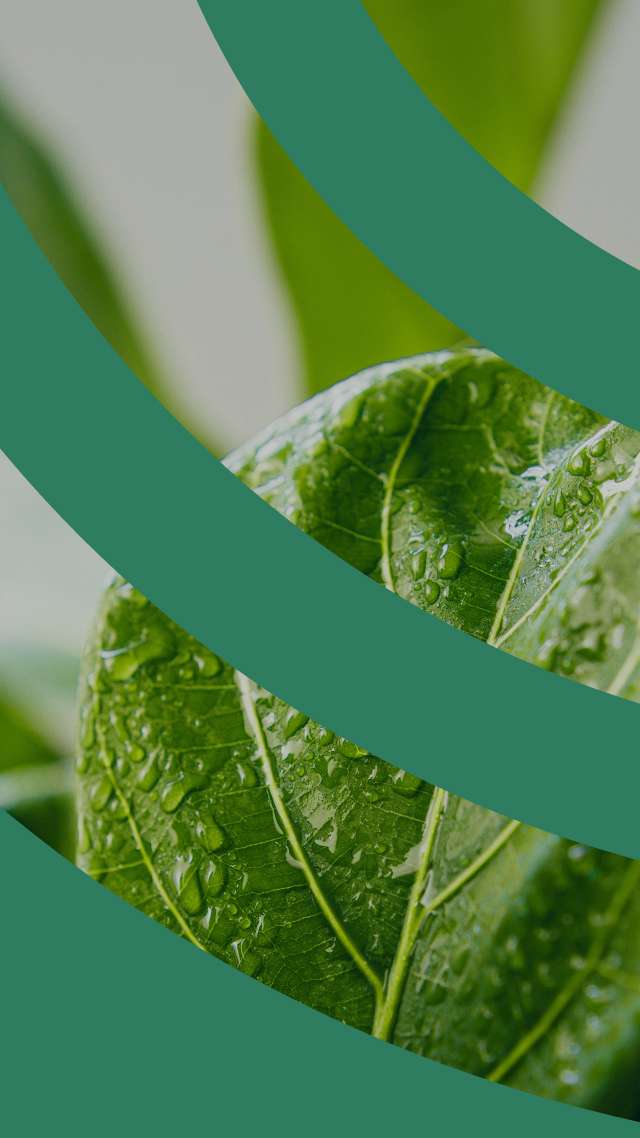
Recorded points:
173,795
87,737
579,464
211,834
247,775
185,877
214,877
431,592
208,665
406,783
100,793
83,761
123,663
450,561
599,449
560,504
148,775
418,565
294,721
351,750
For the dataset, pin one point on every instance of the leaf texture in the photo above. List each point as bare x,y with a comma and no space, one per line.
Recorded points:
470,490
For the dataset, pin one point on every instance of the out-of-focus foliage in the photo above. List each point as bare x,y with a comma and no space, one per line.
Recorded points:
37,731
42,195
35,779
499,71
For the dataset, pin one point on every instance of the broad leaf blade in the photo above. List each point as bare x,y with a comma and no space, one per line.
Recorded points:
326,872
499,71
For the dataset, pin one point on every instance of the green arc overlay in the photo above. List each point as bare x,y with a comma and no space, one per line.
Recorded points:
145,495
141,490
431,208
184,1040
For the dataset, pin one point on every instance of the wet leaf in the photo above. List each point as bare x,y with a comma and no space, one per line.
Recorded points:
327,873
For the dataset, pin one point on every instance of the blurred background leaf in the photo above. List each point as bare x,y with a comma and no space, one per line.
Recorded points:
37,701
45,200
500,72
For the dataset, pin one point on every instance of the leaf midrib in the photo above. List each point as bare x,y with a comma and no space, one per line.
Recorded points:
254,724
386,1012
431,382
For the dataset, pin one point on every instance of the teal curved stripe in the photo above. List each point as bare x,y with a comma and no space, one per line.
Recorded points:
428,204
144,494
113,1025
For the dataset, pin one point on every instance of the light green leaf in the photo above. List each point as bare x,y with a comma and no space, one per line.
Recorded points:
324,871
43,683
500,72
35,779
38,692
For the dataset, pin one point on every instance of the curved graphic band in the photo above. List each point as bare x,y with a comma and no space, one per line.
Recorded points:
225,566
436,212
223,1046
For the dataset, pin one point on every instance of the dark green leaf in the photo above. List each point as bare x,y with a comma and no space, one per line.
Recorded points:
499,71
331,875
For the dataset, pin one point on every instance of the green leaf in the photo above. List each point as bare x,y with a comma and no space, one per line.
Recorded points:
35,779
43,682
38,691
499,71
330,874
40,192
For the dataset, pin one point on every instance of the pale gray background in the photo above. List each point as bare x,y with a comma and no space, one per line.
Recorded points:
153,128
